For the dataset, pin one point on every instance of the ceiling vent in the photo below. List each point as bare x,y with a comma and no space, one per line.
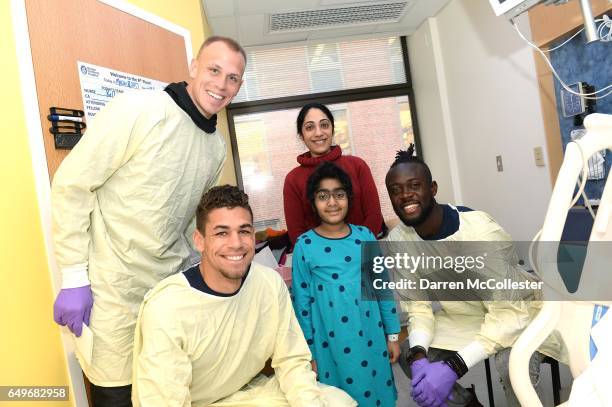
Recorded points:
337,17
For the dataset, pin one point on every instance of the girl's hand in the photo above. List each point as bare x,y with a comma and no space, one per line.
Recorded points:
313,363
394,350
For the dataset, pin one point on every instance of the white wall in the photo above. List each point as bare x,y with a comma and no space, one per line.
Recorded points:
433,112
488,82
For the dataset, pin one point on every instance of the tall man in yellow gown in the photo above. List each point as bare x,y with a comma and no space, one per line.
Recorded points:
123,201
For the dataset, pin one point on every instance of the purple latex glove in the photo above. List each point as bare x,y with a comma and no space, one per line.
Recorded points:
433,385
72,308
416,367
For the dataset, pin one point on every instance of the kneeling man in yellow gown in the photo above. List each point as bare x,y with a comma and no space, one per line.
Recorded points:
204,335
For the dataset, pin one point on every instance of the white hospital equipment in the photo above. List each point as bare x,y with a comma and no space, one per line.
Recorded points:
513,8
581,323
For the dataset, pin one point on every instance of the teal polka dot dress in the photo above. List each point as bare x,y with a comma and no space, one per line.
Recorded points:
347,336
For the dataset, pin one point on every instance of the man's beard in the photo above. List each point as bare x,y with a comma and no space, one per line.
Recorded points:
234,275
420,219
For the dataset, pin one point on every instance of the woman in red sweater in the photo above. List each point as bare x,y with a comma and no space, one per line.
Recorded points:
315,125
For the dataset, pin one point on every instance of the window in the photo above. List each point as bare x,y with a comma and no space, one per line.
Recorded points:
405,120
324,67
267,223
254,158
397,61
249,89
342,132
373,114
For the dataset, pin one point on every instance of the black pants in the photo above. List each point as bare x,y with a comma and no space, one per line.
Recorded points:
111,396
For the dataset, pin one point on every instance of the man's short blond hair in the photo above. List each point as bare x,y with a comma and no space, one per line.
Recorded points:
231,44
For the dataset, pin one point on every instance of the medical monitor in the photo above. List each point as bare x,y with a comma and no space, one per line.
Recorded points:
512,8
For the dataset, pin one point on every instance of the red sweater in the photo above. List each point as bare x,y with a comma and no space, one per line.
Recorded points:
365,205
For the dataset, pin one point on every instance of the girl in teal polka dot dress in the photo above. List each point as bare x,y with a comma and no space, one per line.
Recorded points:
352,341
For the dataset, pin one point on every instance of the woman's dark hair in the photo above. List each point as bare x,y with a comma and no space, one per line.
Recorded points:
306,108
328,170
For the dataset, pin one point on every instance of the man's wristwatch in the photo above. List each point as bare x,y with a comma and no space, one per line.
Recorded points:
414,352
457,364
393,337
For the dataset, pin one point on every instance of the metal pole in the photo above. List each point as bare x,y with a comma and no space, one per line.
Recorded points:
589,23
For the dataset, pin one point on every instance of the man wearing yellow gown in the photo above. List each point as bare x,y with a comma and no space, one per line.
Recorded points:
444,344
203,335
123,202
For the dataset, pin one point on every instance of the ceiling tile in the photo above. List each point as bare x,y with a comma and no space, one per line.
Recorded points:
216,8
422,10
396,29
225,26
247,20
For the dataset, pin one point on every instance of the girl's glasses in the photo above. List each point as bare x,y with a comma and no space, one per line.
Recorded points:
338,194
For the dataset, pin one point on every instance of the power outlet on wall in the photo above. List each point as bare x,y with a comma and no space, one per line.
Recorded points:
538,156
500,164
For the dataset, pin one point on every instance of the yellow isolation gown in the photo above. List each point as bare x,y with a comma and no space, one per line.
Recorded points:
123,201
200,349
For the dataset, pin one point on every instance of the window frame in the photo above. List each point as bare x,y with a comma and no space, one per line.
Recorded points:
327,98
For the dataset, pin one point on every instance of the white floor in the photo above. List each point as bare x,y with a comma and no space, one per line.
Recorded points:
476,376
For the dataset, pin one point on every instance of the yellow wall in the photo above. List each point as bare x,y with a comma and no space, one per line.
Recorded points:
30,349
31,352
